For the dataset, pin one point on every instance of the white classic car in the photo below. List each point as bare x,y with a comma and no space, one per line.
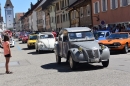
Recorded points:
45,42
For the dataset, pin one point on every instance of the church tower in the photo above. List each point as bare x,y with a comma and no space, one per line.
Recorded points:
9,14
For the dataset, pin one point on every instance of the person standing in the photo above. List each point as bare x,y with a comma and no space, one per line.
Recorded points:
7,53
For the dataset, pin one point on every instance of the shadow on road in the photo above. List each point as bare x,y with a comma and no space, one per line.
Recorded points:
22,43
116,53
2,73
36,53
28,49
64,67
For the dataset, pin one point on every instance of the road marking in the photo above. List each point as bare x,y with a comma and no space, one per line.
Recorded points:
18,47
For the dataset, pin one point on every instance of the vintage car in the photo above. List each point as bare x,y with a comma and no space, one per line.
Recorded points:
118,41
45,42
31,40
101,35
78,45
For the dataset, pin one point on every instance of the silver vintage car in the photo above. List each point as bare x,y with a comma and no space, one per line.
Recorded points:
78,45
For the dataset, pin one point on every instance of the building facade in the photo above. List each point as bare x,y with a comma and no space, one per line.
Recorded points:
9,14
110,12
80,13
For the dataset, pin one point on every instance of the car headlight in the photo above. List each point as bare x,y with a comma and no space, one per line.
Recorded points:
80,49
116,44
102,47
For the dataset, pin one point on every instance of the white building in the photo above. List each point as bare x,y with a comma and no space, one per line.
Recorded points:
34,21
9,14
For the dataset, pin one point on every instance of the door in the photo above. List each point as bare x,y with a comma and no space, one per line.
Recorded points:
51,41
61,45
65,46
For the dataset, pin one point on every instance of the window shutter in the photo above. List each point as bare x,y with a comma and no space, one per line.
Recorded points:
98,7
128,2
94,8
120,3
106,5
117,3
110,4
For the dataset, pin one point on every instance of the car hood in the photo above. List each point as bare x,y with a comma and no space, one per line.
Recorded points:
88,44
111,41
31,41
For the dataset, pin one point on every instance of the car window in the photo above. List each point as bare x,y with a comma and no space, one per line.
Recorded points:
46,36
33,37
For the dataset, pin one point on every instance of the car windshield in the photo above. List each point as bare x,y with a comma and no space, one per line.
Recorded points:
32,37
118,36
99,34
46,36
81,35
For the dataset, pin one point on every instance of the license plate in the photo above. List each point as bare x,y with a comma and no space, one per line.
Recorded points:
95,60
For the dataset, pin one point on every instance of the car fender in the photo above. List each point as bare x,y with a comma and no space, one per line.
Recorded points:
105,54
72,52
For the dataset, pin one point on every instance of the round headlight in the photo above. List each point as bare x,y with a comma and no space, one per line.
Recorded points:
103,47
80,49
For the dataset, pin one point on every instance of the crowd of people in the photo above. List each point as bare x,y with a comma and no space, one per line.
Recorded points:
114,28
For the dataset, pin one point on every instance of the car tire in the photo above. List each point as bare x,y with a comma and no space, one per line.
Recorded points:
39,51
125,50
29,47
105,63
72,63
58,59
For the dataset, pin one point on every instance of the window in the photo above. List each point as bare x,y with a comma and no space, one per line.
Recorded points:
81,12
58,19
104,5
96,7
88,10
63,17
124,2
57,6
8,12
114,4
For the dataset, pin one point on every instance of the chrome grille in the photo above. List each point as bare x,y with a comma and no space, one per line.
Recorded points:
93,53
96,54
90,53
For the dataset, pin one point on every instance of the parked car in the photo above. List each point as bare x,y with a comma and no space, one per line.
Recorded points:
31,40
11,41
78,45
24,39
45,42
118,41
101,35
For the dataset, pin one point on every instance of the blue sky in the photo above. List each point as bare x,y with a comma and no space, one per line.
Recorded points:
19,5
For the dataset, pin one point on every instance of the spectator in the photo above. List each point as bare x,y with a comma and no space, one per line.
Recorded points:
7,53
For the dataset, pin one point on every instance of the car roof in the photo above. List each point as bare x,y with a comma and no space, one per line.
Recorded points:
45,33
103,31
77,29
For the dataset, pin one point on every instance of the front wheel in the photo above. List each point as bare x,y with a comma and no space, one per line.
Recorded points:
125,50
72,63
58,59
105,63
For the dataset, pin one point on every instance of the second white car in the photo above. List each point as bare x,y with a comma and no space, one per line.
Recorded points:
45,42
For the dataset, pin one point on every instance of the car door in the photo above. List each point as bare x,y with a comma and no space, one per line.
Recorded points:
51,41
65,45
60,44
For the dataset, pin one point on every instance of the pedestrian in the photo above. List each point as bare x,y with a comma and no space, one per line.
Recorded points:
7,53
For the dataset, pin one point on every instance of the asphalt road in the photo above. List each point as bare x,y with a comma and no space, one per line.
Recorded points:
32,69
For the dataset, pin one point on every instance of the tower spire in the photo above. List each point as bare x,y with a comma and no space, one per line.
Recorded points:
8,4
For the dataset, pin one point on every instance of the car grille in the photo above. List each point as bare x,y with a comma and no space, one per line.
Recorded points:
93,53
